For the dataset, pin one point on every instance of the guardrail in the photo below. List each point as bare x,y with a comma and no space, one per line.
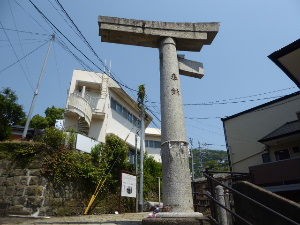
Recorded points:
215,203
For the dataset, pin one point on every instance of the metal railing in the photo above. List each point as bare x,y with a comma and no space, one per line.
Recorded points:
213,182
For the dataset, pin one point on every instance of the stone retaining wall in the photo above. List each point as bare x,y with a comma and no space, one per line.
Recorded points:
24,191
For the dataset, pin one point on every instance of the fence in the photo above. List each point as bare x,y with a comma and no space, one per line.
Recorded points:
223,210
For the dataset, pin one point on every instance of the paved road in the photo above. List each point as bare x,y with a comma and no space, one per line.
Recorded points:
105,219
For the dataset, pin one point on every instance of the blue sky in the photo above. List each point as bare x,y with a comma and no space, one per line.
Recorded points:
236,64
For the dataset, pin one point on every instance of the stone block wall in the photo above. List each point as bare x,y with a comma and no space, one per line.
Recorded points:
24,191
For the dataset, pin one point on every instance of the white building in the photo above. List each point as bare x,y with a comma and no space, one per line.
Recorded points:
265,140
152,143
97,106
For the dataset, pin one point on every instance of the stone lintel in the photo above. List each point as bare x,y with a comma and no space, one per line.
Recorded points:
190,68
188,36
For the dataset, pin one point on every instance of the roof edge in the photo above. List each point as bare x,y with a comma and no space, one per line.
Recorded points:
261,106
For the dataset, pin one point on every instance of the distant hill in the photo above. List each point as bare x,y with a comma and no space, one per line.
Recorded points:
215,160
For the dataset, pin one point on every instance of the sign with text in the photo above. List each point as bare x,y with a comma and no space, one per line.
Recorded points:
128,185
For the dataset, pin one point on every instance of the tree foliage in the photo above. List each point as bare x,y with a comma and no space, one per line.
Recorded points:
38,122
52,114
152,170
11,113
215,160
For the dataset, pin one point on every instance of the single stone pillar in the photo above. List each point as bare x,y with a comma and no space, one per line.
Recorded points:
222,215
175,158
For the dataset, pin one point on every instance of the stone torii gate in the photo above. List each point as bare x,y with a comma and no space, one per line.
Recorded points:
168,37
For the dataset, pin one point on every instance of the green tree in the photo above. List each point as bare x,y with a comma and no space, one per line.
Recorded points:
38,122
11,113
52,114
152,170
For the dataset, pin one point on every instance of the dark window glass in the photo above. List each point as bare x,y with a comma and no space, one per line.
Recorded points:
119,108
130,117
282,154
113,104
125,113
157,144
266,158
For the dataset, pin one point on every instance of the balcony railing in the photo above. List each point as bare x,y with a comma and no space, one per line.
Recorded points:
80,106
276,173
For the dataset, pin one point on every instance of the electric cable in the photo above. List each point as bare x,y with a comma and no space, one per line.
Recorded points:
5,68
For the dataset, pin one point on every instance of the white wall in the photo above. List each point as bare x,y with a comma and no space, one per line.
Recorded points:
84,143
120,126
244,131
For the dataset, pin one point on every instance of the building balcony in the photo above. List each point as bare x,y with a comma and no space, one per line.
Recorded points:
281,172
80,106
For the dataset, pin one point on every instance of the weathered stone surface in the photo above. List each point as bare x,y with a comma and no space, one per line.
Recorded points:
20,200
188,36
34,190
19,172
35,172
190,68
35,164
23,180
19,210
34,202
2,180
35,180
10,181
10,191
177,192
20,190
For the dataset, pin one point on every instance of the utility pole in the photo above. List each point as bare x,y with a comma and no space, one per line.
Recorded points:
158,191
136,173
141,98
35,94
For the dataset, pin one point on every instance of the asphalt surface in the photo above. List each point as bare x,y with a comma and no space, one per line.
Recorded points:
105,219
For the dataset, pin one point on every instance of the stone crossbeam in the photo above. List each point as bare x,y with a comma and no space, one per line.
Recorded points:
189,36
190,68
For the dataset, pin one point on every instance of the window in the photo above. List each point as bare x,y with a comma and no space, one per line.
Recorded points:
282,154
266,158
113,104
124,113
157,144
152,144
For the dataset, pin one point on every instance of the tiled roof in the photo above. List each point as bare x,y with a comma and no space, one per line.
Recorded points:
285,130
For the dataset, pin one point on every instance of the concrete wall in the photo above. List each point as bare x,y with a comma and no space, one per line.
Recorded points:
244,131
120,126
256,214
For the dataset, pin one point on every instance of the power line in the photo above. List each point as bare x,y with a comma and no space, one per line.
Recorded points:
91,48
47,20
2,70
18,34
22,31
16,55
231,102
31,17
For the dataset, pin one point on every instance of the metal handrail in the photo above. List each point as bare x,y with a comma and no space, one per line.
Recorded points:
227,209
250,199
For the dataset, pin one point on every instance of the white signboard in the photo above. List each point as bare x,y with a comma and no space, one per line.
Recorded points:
128,185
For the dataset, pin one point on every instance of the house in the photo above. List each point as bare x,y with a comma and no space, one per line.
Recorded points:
265,140
153,143
97,106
